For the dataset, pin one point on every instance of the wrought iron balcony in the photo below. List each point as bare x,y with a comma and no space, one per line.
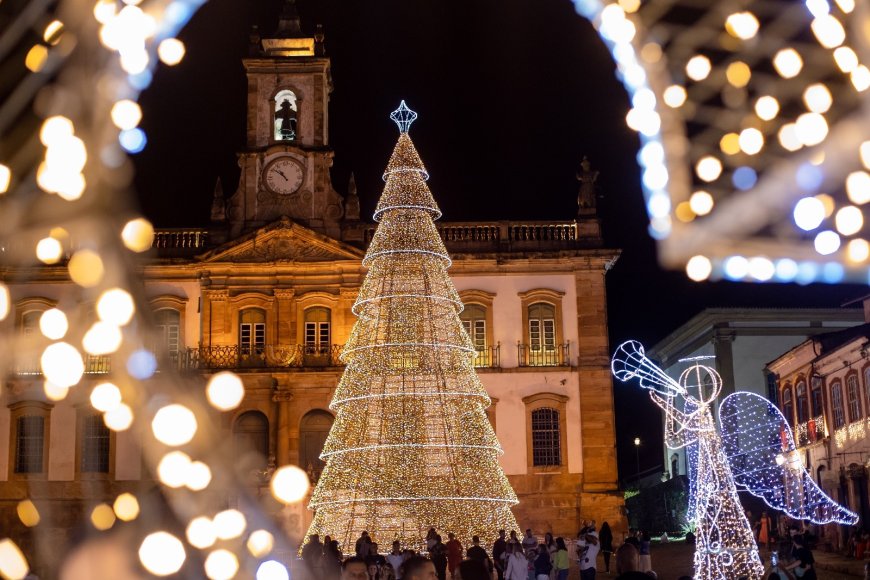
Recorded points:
540,355
94,365
810,431
487,357
260,356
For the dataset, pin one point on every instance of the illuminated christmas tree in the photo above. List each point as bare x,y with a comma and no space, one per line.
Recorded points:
411,447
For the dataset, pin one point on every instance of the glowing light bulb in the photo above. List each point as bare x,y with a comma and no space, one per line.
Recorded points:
119,419
699,268
742,25
858,187
173,468
698,68
53,324
126,507
200,533
230,524
102,338
858,250
675,96
86,268
272,570
116,307
751,141
849,220
105,397
828,30
260,543
788,63
701,202
27,513
809,213
708,168
62,364
289,484
827,242
126,114
221,565
13,564
171,51
138,235
162,554
225,391
860,78
198,476
738,74
49,251
174,425
818,98
846,59
811,128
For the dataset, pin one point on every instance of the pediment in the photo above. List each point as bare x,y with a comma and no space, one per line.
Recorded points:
281,241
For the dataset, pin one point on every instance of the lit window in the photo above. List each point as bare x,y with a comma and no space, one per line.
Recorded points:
169,332
95,445
252,331
474,320
286,109
787,405
317,333
818,401
837,404
546,447
542,327
30,444
803,403
854,398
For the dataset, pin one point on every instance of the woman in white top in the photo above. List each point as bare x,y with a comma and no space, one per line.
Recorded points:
516,565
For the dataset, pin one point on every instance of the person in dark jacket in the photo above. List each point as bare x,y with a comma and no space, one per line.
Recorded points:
605,538
543,565
438,555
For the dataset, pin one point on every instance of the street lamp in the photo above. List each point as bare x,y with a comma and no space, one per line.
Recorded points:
637,458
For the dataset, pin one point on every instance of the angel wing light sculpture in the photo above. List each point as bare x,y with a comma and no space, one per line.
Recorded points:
756,452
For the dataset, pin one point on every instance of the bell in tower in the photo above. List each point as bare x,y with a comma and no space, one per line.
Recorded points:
287,159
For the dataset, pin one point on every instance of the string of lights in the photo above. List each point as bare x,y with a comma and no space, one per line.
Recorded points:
411,446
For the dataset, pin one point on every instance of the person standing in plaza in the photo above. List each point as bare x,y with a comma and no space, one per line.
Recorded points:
454,553
530,542
476,552
560,560
354,569
605,538
587,551
499,548
362,545
516,565
645,560
543,566
438,555
395,558
765,530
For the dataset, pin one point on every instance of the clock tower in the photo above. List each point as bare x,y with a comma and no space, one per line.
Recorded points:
285,167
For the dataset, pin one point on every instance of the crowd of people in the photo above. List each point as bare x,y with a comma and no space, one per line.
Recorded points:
507,558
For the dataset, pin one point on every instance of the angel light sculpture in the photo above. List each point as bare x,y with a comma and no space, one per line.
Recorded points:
755,453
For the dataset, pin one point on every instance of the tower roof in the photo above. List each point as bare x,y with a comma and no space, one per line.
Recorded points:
288,38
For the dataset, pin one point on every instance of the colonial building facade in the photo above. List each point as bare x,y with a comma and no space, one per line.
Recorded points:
823,390
267,291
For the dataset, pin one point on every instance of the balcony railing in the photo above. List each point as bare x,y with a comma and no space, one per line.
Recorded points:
260,356
94,365
543,355
487,357
810,431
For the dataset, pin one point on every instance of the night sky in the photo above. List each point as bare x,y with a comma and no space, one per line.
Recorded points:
511,94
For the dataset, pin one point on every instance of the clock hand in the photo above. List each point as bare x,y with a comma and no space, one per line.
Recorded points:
281,173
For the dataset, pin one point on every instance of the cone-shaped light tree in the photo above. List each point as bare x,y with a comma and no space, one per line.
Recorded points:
411,447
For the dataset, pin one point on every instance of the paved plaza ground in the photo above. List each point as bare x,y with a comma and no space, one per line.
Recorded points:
670,561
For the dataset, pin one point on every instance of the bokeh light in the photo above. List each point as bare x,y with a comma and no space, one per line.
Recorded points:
13,564
260,543
162,554
103,517
699,268
138,235
225,391
116,307
27,513
200,533
53,324
105,397
62,364
86,268
174,425
119,419
289,484
126,507
221,565
272,570
173,468
229,524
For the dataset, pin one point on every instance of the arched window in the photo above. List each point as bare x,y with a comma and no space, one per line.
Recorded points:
546,441
95,443
252,331
542,327
837,405
317,332
787,405
313,431
474,320
854,397
168,326
251,436
286,115
817,397
803,402
30,322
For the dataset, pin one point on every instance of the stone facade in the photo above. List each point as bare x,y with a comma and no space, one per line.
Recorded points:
267,292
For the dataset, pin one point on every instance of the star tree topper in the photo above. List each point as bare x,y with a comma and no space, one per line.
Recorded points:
403,117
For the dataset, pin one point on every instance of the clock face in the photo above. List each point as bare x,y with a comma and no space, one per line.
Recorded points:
283,176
